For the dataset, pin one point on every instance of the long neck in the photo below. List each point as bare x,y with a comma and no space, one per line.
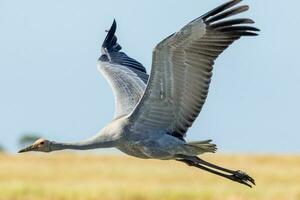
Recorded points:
93,143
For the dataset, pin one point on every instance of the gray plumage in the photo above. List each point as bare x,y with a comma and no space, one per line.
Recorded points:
153,113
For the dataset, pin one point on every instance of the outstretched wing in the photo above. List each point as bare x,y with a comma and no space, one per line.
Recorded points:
182,69
126,76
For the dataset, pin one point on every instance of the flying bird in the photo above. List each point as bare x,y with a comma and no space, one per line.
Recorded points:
154,112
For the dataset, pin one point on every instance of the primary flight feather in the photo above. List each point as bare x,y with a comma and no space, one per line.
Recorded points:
153,113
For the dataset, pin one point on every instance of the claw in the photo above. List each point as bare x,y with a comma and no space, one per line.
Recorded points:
242,178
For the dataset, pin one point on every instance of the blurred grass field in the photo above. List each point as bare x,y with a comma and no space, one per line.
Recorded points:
90,177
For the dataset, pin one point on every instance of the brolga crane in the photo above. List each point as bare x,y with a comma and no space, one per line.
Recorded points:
153,112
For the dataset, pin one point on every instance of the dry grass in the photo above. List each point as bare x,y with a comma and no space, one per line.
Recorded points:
91,177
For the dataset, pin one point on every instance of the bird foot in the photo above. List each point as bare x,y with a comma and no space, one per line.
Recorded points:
242,177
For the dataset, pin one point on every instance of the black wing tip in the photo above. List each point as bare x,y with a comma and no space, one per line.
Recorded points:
226,13
110,41
114,25
220,8
216,19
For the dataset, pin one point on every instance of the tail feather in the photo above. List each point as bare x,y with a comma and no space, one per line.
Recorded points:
200,147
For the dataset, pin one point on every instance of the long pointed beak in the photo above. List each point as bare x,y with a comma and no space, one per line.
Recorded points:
30,148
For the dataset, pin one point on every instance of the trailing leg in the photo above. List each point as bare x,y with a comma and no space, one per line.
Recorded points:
237,176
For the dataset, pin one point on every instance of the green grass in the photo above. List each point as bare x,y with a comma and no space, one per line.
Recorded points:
91,177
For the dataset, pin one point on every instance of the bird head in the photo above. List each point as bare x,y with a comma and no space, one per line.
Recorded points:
41,145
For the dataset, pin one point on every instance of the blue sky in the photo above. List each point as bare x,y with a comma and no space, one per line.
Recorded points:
49,83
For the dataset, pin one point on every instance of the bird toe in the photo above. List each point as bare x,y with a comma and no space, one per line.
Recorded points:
243,178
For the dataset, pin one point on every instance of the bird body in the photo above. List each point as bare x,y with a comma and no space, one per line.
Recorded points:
146,144
154,112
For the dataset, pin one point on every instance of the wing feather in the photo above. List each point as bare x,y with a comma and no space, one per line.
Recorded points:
126,76
182,67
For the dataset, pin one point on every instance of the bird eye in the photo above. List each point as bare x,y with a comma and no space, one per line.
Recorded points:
103,58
